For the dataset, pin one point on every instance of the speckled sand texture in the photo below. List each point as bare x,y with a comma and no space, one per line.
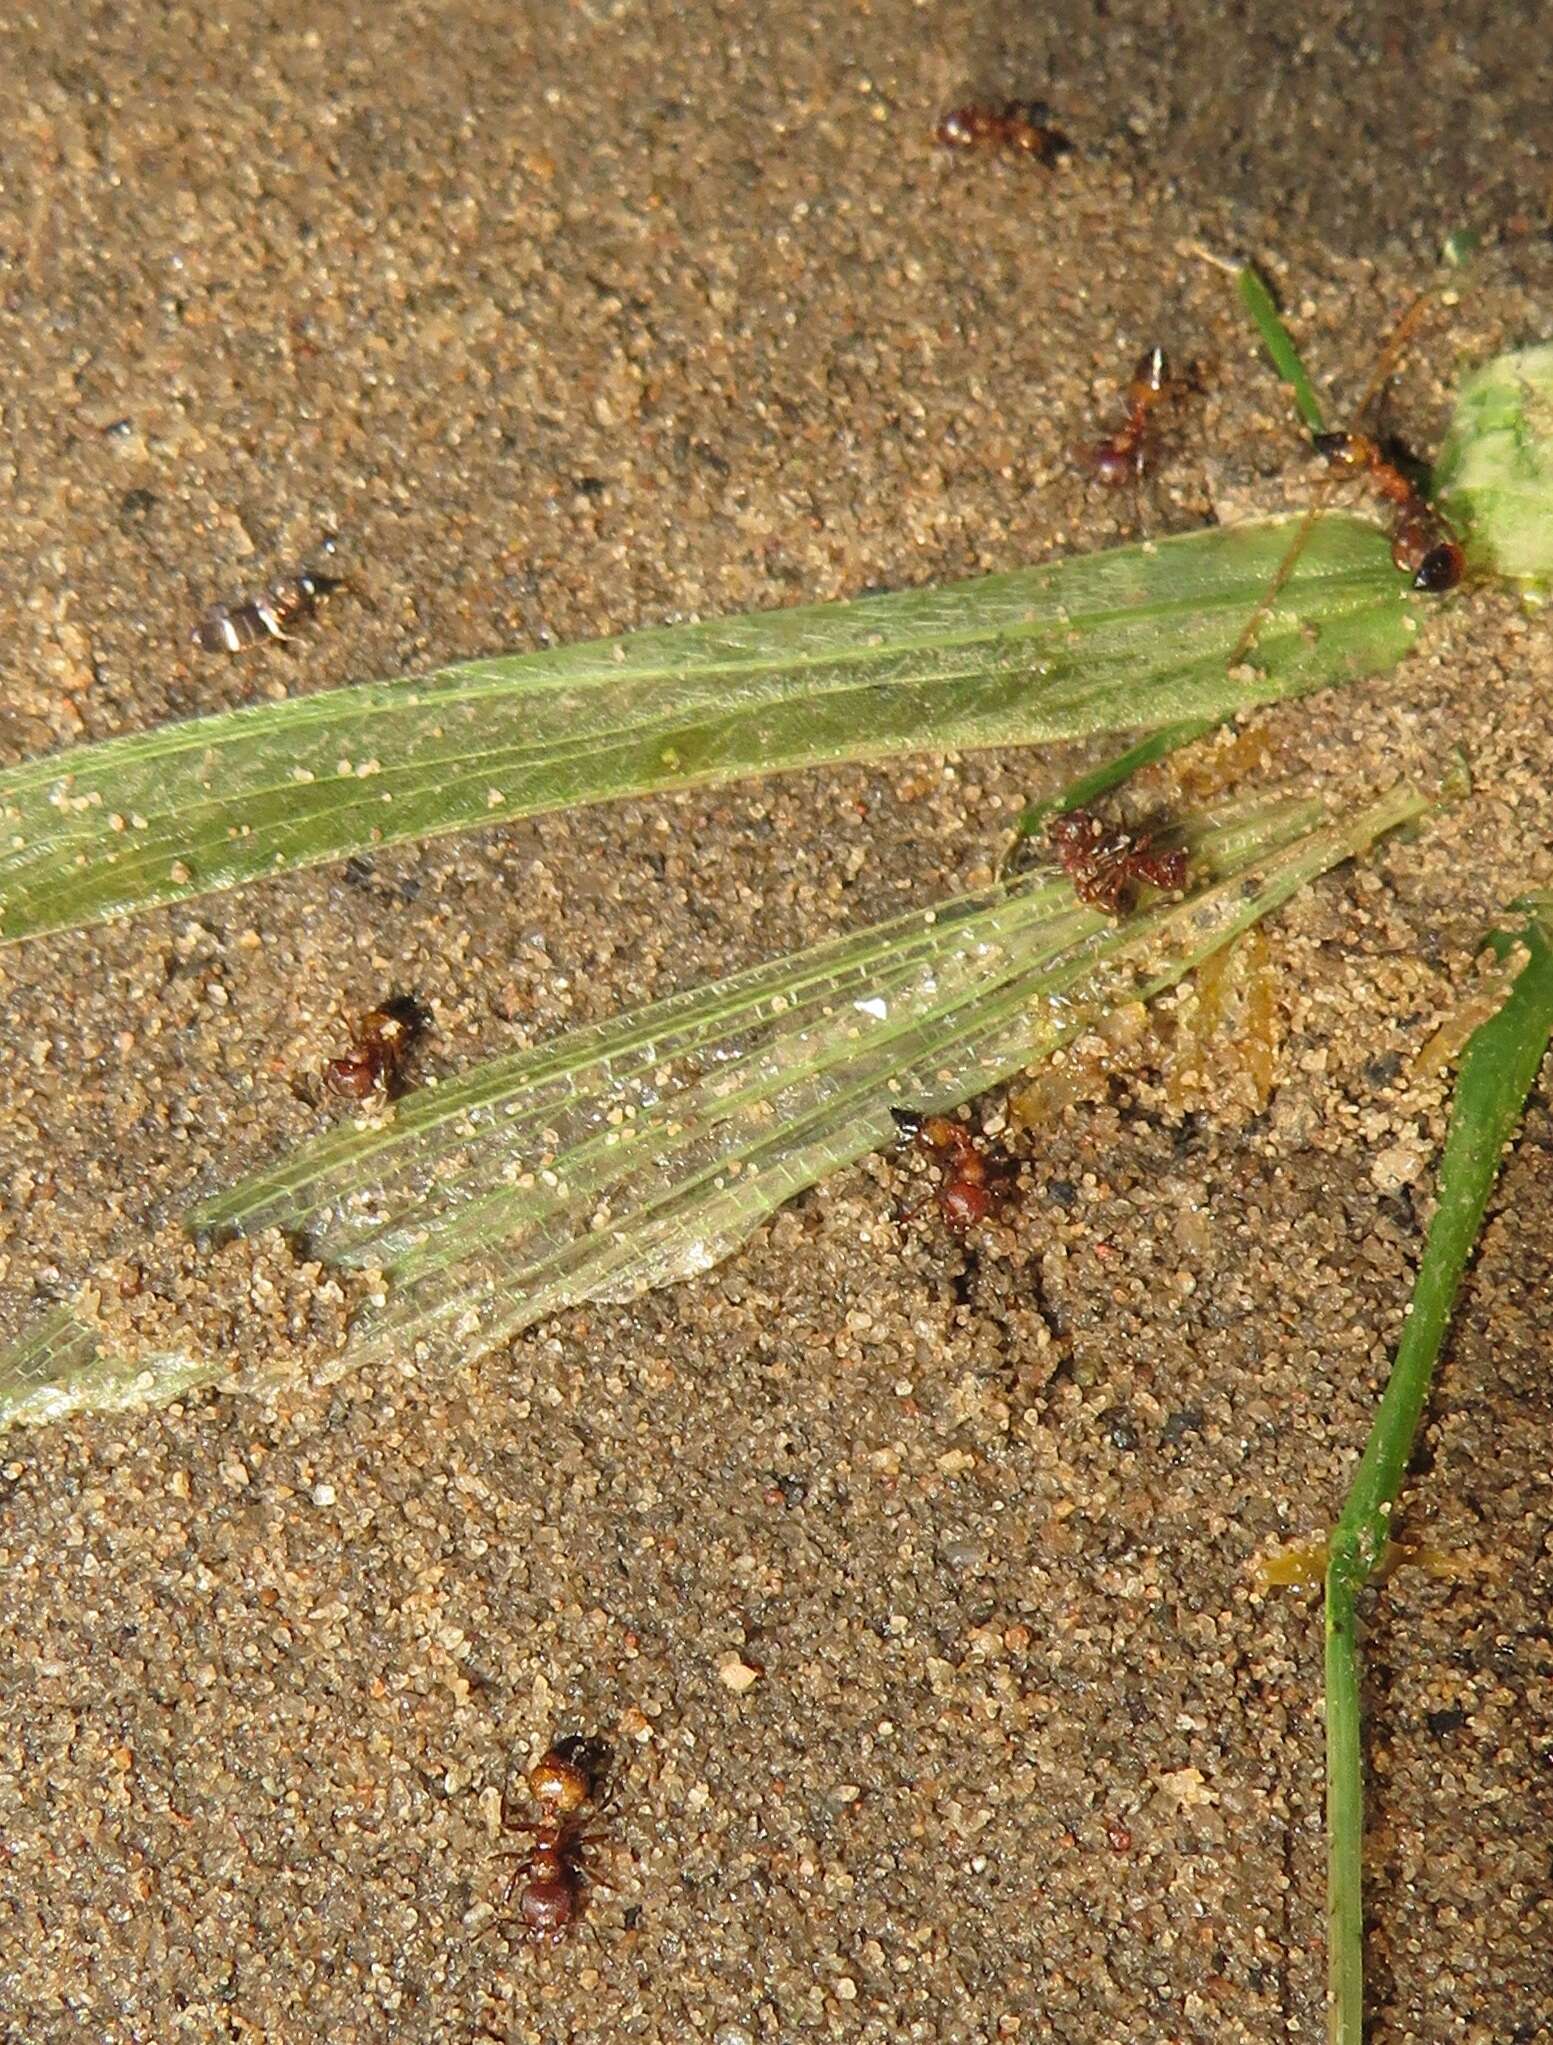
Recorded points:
910,1583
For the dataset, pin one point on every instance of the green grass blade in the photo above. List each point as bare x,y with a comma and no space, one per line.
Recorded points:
1279,343
640,1151
1111,774
1132,639
694,1061
1500,1063
706,1173
57,1368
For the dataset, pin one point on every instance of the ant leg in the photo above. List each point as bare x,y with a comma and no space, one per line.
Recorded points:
505,1821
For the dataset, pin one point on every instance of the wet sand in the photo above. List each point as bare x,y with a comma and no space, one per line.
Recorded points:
571,321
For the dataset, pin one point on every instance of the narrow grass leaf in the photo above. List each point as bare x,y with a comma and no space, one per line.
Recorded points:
56,1367
1498,1067
1133,639
1279,343
638,1152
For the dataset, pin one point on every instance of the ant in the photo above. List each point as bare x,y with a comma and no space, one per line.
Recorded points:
1105,861
1125,455
384,1040
239,627
1425,546
974,1182
551,1869
1020,126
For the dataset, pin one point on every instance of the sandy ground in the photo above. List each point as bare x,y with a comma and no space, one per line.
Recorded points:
570,320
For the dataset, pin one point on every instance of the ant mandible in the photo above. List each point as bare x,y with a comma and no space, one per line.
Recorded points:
974,1184
551,1869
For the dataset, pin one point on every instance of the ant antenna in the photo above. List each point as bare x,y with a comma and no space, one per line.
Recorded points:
1406,326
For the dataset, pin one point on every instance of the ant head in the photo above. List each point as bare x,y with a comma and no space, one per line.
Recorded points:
411,1014
559,1782
1080,827
1342,450
587,1752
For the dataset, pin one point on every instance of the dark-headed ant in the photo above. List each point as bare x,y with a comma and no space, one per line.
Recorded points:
974,1183
551,1869
239,627
1105,862
384,1040
1020,126
1423,541
1125,455
1424,544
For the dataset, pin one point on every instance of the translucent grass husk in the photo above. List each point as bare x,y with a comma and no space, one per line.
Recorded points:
639,1152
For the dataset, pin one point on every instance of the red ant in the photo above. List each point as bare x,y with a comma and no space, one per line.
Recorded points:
1125,455
1424,543
1019,125
551,1870
974,1182
384,1040
1105,861
1129,453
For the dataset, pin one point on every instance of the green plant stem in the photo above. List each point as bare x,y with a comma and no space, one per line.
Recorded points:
1498,1067
1111,774
1279,343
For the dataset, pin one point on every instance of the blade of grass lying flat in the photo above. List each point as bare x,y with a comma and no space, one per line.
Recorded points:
57,1368
1279,343
1501,1060
1133,639
596,1091
633,1155
638,1152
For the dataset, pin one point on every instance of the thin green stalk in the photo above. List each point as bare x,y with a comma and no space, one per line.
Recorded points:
1111,774
1498,1067
1279,343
